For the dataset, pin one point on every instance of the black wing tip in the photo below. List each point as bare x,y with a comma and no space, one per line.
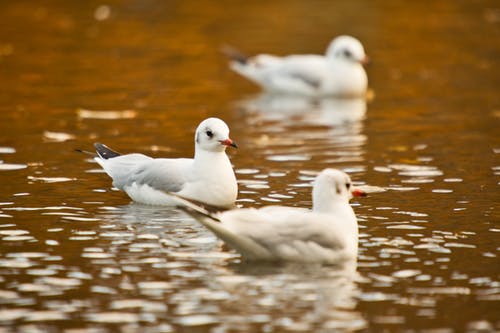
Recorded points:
104,151
196,208
234,54
315,84
78,150
194,213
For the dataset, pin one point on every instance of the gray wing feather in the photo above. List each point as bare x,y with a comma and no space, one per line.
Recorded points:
305,69
289,225
314,235
308,79
307,235
161,174
119,168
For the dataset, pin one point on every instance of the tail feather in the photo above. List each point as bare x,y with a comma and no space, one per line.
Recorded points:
85,152
244,245
104,151
234,54
193,208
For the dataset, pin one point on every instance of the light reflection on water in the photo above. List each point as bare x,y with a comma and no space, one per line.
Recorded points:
156,268
75,254
168,269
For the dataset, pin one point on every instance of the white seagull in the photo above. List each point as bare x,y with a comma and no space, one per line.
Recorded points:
338,73
208,177
326,234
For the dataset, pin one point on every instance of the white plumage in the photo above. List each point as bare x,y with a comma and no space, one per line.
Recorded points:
326,234
338,73
208,177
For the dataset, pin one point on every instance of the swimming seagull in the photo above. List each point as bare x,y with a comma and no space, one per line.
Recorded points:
326,234
338,73
208,177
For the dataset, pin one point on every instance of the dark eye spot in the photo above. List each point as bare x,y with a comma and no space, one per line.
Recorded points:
347,54
348,185
209,133
338,189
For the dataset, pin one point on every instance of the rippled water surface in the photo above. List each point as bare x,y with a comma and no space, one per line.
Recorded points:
77,256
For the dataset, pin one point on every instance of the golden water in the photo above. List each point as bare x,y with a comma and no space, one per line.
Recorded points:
75,254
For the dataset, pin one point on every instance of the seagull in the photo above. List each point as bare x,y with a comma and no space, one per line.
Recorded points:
338,73
327,234
208,177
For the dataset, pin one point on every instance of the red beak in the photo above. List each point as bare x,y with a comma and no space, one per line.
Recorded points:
365,61
228,142
358,193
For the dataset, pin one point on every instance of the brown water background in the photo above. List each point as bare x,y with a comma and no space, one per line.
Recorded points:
77,256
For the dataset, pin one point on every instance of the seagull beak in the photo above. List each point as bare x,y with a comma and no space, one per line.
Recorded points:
228,142
365,61
357,192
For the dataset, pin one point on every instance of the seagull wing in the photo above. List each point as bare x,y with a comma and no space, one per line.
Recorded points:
288,233
244,245
162,174
300,71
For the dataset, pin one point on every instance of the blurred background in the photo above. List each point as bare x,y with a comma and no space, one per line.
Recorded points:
77,256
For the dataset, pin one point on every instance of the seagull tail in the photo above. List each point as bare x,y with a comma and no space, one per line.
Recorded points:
85,152
235,54
192,208
104,151
244,245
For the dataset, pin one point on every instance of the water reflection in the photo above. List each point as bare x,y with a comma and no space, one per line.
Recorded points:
150,254
305,131
308,111
315,297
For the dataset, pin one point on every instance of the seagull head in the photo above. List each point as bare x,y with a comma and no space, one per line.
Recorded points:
332,186
213,135
347,48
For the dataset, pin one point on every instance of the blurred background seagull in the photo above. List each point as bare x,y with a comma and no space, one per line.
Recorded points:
338,73
327,234
208,177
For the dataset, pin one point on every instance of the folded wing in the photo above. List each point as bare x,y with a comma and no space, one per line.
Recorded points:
139,169
288,234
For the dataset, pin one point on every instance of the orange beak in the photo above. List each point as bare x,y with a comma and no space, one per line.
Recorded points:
228,142
358,193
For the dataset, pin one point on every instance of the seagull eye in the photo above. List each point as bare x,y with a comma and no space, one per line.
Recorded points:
347,54
210,134
348,185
